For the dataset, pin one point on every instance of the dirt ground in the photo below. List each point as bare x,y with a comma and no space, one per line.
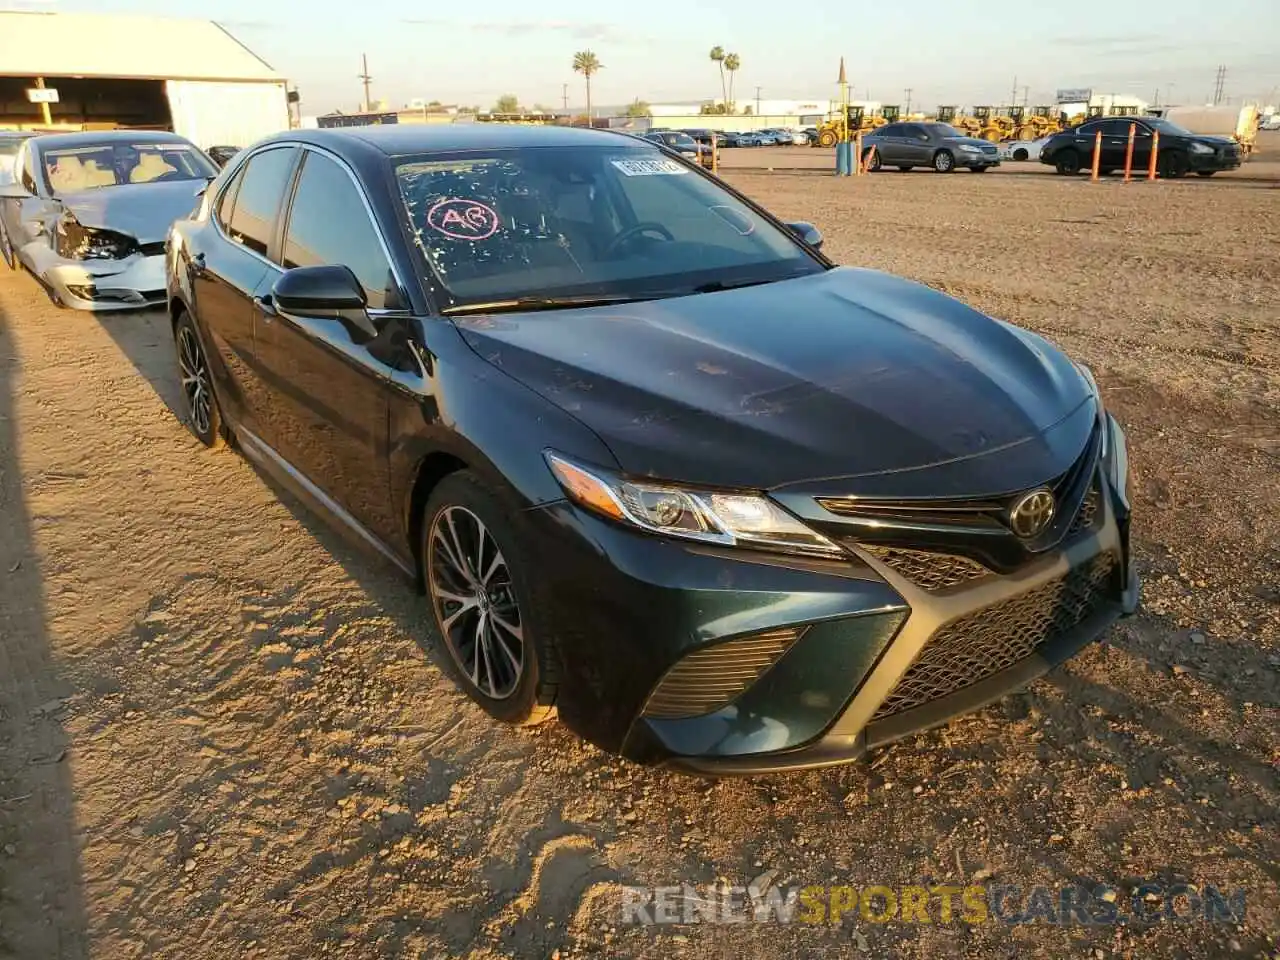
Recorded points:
220,735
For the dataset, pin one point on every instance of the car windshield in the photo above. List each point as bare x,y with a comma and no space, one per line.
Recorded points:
622,221
942,130
89,166
1167,127
684,140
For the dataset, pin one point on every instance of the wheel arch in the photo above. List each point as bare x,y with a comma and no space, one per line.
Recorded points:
432,469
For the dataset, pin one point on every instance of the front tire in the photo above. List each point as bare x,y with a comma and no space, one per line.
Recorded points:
478,578
1173,166
1067,163
871,160
944,162
827,138
203,415
1021,154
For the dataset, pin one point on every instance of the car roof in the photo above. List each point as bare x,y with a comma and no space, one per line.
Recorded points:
399,140
60,141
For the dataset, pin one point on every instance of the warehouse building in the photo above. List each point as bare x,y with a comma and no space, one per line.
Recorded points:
70,71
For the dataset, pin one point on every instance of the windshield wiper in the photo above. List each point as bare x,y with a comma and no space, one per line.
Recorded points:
715,286
537,303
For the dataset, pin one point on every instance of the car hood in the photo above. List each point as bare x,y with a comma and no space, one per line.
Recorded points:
846,373
144,211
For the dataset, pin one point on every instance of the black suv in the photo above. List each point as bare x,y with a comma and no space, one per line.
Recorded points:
1180,151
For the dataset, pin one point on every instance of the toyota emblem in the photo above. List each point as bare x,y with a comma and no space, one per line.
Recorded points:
1032,515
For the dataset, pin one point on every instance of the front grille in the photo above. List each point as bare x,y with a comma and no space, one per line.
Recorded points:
931,571
713,677
983,643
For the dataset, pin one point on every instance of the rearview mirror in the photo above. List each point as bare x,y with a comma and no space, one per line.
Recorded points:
318,291
807,232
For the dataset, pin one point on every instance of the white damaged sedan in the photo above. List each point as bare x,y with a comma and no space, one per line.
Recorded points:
87,213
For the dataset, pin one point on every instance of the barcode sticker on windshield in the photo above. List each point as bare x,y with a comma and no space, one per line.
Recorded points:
649,168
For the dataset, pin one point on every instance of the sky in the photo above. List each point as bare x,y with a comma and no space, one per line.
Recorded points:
961,52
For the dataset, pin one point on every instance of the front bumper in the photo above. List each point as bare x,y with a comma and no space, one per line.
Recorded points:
1217,162
972,160
98,285
845,646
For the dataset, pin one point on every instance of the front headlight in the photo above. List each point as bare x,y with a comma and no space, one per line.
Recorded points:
970,148
729,519
1201,148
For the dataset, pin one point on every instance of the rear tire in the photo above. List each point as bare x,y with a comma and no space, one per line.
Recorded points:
479,581
202,413
827,138
1020,154
944,162
1067,163
871,159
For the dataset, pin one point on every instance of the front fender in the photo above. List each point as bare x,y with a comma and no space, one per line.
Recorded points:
476,413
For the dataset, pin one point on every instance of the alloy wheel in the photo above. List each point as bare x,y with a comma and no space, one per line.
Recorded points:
475,602
195,379
942,162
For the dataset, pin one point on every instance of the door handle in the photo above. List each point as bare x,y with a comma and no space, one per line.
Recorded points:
266,307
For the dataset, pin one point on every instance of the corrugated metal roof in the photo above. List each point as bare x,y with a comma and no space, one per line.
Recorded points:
105,45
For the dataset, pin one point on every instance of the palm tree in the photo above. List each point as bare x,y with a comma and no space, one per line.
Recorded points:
587,63
731,63
717,57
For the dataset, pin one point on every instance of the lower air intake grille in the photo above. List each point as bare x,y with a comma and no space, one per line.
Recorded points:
713,677
1088,514
932,571
984,643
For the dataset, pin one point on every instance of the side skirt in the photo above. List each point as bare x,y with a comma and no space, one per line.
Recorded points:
319,501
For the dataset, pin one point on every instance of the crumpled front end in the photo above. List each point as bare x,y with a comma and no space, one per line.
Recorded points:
91,268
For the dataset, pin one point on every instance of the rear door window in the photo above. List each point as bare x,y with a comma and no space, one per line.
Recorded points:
257,202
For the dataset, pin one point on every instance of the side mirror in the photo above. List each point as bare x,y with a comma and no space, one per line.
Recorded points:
807,232
318,291
329,292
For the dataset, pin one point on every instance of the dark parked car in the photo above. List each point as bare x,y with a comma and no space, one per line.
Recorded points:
1180,151
706,137
659,465
937,145
681,143
222,154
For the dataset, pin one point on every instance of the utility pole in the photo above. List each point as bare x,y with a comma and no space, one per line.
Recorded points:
757,101
1026,97
908,93
1014,101
366,80
564,97
1219,85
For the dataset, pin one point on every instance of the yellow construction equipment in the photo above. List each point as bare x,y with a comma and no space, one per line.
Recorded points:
947,114
832,130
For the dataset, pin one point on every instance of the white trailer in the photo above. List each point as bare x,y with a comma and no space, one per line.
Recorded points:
211,113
